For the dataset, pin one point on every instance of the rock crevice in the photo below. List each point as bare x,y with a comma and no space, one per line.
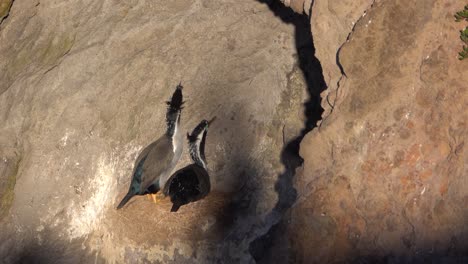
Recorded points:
83,84
376,180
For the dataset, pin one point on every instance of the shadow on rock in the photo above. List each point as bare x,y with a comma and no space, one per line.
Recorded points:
49,248
261,248
410,260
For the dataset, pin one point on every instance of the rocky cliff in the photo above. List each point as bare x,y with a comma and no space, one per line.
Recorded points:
83,90
383,177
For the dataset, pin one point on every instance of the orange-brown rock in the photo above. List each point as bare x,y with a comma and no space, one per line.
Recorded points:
385,177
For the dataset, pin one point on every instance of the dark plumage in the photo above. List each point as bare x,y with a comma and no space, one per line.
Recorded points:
192,182
156,161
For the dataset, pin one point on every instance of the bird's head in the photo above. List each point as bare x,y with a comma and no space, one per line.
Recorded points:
199,131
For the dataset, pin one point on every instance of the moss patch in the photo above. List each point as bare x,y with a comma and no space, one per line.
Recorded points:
43,54
37,54
464,37
8,172
460,16
5,6
56,48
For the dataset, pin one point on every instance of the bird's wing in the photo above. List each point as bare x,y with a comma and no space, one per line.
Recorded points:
179,177
204,185
158,161
143,155
138,169
166,186
192,178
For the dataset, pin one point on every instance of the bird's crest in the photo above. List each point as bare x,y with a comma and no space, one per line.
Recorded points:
200,128
197,131
176,101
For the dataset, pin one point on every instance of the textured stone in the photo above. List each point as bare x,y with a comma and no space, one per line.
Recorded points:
299,6
82,90
385,178
331,24
5,6
83,86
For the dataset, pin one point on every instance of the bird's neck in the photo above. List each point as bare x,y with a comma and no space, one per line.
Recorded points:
195,154
172,122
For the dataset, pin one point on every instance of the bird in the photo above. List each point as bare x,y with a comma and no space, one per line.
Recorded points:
155,163
192,182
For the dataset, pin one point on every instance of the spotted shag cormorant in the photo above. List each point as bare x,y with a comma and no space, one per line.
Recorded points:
192,182
155,163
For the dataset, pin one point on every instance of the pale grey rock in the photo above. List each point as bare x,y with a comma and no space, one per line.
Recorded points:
82,90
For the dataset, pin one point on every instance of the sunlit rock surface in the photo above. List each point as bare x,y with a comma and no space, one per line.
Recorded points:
83,86
385,177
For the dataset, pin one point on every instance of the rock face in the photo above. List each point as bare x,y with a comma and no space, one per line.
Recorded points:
83,86
384,178
5,6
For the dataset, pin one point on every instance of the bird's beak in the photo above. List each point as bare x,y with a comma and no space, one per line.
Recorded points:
211,120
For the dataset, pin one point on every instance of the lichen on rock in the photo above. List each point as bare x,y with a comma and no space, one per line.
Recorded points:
5,6
9,166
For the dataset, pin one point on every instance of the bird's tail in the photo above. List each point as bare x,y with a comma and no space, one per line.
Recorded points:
175,207
176,102
125,200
